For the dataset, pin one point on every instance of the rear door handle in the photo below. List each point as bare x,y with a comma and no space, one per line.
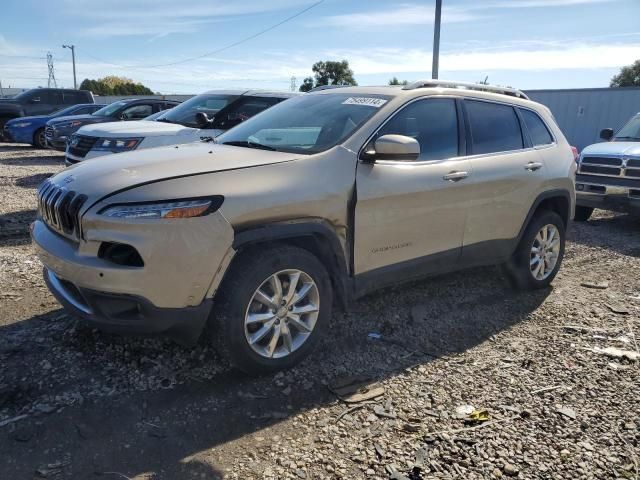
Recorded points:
533,166
455,176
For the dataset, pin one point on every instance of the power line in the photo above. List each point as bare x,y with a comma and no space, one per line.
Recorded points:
22,56
219,50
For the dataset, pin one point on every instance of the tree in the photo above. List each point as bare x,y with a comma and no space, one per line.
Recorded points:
629,76
113,85
329,73
395,81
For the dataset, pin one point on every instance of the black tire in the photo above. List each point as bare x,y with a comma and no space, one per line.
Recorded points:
247,273
582,213
39,140
518,267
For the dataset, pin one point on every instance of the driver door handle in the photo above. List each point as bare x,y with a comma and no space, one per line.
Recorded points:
455,176
533,166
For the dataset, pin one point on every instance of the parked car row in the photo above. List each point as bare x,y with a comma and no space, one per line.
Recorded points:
319,199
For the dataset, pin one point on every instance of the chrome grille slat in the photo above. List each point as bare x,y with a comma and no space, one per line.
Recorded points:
612,167
60,208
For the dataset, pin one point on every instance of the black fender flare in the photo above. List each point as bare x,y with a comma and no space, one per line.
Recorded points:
318,231
548,195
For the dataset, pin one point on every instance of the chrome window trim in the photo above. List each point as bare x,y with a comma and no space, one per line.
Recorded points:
460,157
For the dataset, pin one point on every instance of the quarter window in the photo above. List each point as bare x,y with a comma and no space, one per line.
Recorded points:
537,129
494,127
433,123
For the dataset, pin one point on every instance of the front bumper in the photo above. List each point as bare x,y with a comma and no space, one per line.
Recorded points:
128,314
616,198
170,293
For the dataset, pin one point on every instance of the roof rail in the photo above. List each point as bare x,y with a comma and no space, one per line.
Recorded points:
327,87
467,86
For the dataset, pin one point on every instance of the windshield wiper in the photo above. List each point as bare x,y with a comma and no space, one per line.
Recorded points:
244,143
626,138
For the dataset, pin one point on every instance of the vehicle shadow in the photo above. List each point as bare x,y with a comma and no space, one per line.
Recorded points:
16,224
32,181
622,235
169,404
29,156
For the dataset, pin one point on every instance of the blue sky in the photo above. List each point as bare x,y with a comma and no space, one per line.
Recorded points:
523,43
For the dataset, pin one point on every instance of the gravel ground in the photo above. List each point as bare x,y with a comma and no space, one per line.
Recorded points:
538,372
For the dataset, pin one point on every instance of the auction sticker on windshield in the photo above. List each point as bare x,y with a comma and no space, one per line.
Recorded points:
366,101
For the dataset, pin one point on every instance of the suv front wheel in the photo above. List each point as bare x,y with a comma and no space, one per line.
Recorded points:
537,259
273,308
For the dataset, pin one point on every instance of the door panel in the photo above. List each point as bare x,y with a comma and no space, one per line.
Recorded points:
507,177
406,211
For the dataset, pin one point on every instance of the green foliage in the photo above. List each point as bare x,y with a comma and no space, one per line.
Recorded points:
395,81
629,76
113,85
329,73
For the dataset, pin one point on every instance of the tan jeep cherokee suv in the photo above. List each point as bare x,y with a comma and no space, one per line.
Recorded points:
321,198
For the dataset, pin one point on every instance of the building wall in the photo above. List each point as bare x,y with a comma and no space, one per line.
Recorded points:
582,113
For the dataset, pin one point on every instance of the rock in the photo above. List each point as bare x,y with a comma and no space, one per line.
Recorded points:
510,470
594,285
566,411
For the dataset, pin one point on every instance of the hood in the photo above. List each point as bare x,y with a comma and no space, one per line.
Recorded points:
35,118
140,128
613,148
109,174
8,100
83,118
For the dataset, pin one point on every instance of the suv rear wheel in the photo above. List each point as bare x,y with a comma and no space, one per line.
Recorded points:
537,259
273,308
582,213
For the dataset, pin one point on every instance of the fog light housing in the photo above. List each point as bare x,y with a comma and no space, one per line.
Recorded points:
120,254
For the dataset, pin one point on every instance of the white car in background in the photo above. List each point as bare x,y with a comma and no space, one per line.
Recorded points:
205,115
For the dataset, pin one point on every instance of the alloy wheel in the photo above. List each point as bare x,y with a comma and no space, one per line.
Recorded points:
282,313
545,251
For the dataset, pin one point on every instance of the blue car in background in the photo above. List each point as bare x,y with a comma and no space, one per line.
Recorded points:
31,129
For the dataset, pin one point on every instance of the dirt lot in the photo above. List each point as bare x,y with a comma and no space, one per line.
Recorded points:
79,404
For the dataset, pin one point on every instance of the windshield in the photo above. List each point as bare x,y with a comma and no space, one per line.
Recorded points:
185,113
306,124
155,116
631,131
24,95
110,109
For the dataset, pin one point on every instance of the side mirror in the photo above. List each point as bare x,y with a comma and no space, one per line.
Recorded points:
203,120
393,147
606,134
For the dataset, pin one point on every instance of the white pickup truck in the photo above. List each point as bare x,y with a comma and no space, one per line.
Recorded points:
205,115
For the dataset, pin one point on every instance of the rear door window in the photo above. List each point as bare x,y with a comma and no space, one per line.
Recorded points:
494,127
537,129
432,122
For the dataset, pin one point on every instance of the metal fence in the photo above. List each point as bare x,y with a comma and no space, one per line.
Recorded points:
582,113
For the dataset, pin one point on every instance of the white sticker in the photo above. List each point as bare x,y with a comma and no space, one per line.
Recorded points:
366,101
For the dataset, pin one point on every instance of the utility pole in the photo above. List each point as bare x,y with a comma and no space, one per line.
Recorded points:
51,82
436,40
73,57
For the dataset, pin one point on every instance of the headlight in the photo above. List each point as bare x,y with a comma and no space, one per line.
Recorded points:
117,144
168,209
21,124
75,123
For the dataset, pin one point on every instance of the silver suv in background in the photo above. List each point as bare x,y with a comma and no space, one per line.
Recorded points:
320,199
205,115
609,172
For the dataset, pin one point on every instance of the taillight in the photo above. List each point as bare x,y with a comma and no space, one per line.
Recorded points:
576,154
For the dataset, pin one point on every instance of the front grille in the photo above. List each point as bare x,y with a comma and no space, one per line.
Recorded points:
81,144
48,132
614,172
60,208
610,167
